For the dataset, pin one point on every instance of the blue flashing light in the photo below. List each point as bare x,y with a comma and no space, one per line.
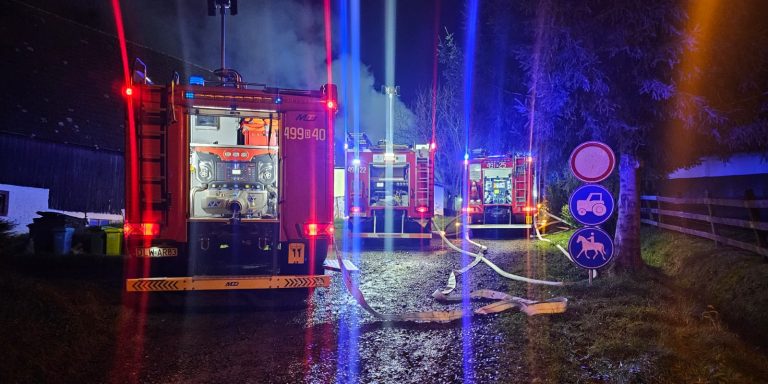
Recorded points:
196,80
278,100
466,156
356,162
189,95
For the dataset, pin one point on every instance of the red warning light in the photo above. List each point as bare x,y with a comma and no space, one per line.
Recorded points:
141,229
421,209
128,91
319,229
331,104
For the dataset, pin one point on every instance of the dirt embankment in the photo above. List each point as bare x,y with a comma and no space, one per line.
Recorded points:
731,282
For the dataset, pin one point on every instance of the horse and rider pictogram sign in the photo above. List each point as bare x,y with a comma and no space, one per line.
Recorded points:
591,247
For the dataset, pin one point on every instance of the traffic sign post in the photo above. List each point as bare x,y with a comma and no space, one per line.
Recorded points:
591,204
592,161
591,248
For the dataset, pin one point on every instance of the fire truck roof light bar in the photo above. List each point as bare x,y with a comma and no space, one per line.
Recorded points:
196,80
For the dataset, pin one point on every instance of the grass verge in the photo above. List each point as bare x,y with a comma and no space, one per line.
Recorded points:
656,325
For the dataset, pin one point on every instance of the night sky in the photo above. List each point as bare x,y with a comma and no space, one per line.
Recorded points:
183,29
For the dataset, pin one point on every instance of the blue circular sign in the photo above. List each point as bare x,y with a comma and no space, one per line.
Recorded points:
590,248
591,204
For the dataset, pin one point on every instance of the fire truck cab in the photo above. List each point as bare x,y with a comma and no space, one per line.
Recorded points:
500,191
390,189
228,184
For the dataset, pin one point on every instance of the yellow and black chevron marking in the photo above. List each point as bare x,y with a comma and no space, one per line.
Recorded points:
304,282
141,285
207,283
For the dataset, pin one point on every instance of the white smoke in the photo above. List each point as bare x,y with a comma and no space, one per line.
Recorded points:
279,43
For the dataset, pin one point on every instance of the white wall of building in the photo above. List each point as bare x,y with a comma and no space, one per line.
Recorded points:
93,217
23,204
439,200
338,192
736,165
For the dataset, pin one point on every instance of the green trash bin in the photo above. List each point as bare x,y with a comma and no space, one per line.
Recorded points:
114,240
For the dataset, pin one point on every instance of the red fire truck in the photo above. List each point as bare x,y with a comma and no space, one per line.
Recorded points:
500,191
390,189
228,184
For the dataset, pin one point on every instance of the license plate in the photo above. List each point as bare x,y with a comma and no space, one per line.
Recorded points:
157,252
296,253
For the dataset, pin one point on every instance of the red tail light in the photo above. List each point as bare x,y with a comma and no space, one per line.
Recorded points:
141,229
529,209
128,91
330,104
354,210
421,209
315,229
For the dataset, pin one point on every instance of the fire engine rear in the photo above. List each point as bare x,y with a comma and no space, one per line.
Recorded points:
390,189
228,184
500,191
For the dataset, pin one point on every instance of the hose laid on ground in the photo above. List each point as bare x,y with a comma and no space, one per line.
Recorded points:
568,255
479,257
502,303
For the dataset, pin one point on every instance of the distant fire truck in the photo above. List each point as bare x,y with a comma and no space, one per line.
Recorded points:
390,189
500,191
229,185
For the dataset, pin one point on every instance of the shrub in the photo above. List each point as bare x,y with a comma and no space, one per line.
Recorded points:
565,214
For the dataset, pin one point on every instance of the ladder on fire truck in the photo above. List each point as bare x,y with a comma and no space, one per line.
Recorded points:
422,181
152,145
521,181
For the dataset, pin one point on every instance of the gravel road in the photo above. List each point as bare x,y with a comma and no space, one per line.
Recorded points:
271,337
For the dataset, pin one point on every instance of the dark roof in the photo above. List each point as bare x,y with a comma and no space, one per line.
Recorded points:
62,80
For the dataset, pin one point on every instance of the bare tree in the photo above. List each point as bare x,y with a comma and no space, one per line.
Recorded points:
441,108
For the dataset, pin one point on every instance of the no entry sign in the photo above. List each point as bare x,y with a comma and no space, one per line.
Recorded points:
592,161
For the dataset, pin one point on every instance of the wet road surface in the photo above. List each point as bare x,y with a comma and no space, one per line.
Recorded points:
267,337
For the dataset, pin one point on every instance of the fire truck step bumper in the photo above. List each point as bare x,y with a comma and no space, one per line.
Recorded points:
213,283
498,226
393,235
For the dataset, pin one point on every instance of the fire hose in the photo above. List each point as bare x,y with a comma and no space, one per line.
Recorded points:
560,247
503,301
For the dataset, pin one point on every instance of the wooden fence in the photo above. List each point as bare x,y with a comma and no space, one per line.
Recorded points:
686,214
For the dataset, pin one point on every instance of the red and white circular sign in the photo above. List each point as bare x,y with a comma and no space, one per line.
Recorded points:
592,161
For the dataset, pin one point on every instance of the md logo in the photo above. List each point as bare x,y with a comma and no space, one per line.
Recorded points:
306,117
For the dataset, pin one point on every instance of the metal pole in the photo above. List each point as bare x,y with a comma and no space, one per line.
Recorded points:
223,10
